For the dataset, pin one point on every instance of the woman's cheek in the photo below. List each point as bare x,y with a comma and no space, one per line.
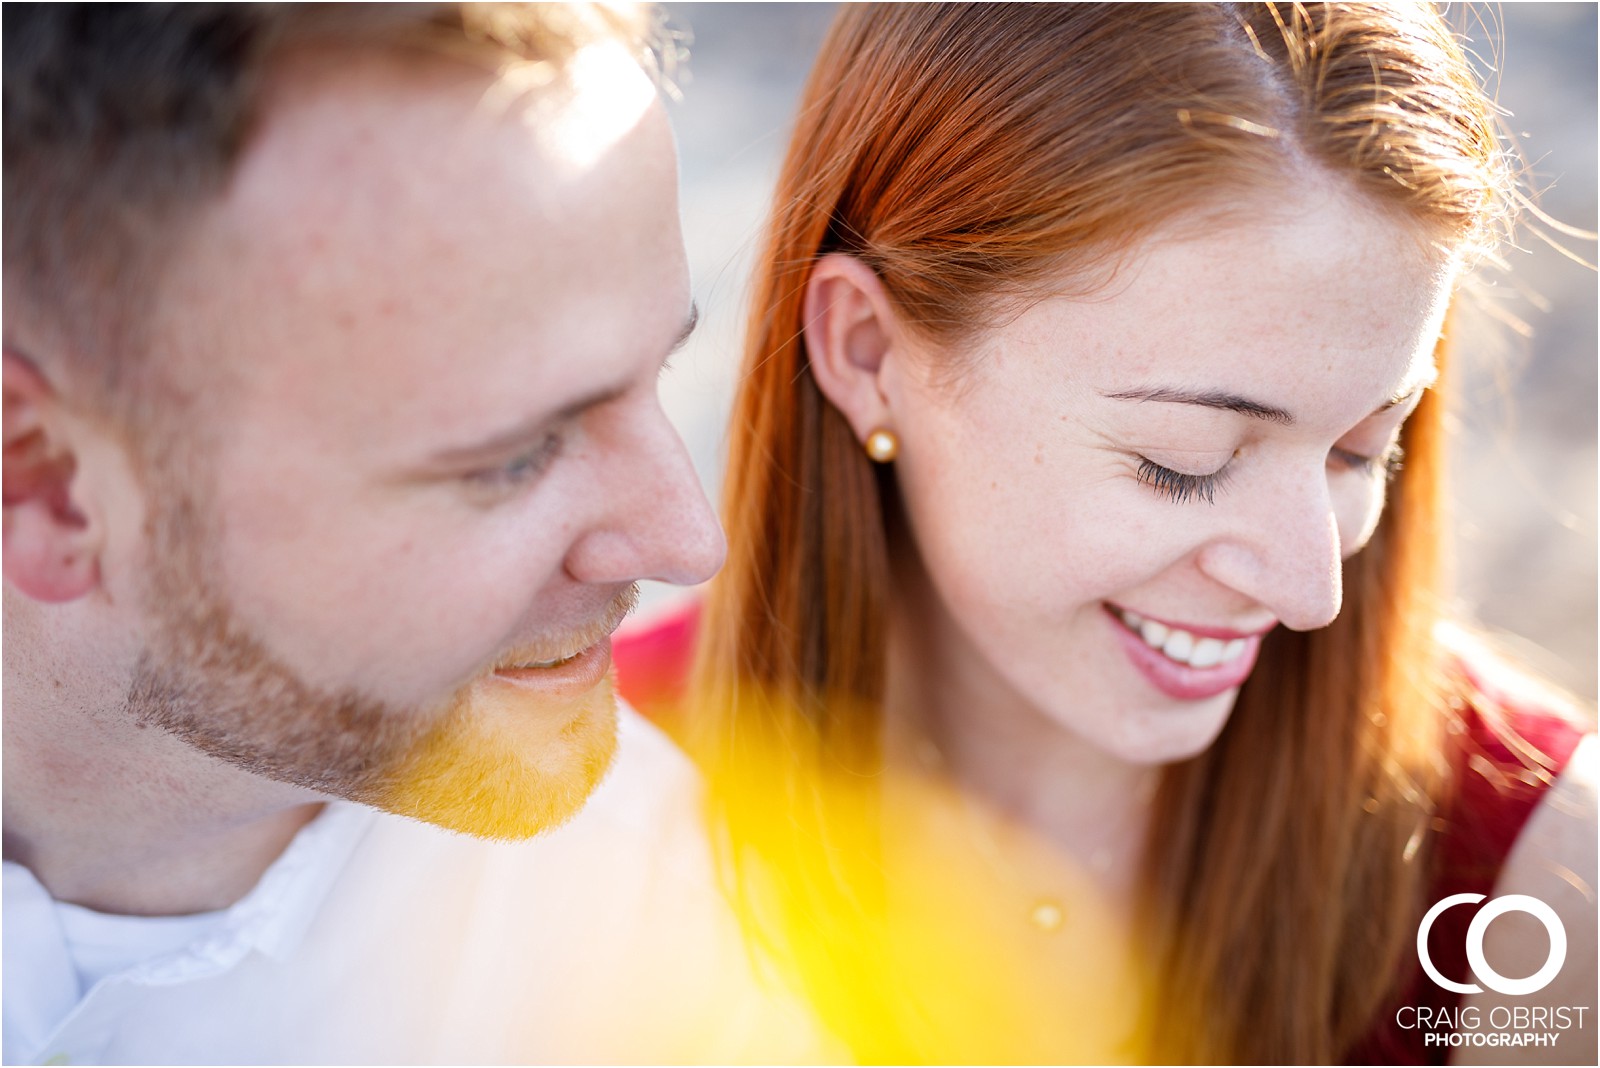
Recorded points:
1358,507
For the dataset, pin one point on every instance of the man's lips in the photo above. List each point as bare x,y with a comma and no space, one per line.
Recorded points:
568,665
569,677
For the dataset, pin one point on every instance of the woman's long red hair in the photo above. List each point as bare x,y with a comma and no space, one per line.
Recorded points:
969,152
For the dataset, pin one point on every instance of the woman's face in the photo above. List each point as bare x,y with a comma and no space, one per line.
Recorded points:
1123,493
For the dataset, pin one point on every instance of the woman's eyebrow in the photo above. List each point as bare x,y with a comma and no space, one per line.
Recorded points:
1228,402
1233,402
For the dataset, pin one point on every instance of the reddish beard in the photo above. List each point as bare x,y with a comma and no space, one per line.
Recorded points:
478,761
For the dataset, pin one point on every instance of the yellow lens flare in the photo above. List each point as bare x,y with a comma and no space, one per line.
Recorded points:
920,926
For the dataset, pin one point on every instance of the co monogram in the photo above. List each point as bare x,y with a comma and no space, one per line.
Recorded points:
1480,924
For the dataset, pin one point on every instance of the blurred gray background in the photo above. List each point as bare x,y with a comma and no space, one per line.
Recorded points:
1525,440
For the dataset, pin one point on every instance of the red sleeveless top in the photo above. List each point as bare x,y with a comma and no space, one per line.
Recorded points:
1497,791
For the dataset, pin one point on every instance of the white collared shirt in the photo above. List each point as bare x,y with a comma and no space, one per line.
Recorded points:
376,938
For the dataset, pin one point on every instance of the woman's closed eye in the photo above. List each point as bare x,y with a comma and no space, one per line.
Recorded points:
1385,463
1181,487
1178,487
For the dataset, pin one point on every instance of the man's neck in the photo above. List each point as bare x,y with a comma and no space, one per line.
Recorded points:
170,876
121,818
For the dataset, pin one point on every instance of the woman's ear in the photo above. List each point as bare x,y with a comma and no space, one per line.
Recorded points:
51,550
849,332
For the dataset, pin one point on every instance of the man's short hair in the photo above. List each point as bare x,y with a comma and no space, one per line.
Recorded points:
120,118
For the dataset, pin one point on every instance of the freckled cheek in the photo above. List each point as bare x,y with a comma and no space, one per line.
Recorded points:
1013,547
963,496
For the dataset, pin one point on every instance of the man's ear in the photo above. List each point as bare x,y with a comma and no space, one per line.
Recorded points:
849,331
51,550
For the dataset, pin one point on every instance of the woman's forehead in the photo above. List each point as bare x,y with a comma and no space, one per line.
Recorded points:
1336,295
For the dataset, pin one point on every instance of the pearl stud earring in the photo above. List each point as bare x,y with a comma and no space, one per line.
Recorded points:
882,445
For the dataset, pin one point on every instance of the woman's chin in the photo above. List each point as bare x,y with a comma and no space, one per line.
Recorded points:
1154,736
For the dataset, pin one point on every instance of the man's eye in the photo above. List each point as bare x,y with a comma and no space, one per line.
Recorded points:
519,470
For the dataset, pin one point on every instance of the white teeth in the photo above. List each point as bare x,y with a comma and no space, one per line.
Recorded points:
548,663
1181,645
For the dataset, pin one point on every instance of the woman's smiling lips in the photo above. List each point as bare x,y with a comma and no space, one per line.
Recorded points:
1186,661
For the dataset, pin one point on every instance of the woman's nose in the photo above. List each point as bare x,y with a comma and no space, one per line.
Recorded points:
1285,556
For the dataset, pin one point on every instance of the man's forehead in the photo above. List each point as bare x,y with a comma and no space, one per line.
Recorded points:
391,123
391,235
576,113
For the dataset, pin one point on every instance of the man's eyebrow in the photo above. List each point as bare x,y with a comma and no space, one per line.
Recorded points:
1228,402
531,430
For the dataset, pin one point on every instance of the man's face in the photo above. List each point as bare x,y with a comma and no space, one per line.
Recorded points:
421,456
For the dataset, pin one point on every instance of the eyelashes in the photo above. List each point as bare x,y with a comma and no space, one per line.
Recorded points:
1180,488
1386,464
518,471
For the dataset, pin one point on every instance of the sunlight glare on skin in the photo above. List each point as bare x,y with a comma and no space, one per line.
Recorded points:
601,97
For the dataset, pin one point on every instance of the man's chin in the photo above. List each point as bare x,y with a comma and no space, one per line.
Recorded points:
506,767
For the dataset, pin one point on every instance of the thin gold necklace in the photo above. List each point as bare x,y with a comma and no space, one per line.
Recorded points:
1046,913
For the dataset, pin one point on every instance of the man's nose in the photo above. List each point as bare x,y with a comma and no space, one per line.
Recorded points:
1285,556
657,523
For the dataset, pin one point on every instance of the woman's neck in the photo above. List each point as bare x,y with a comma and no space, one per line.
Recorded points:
949,712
